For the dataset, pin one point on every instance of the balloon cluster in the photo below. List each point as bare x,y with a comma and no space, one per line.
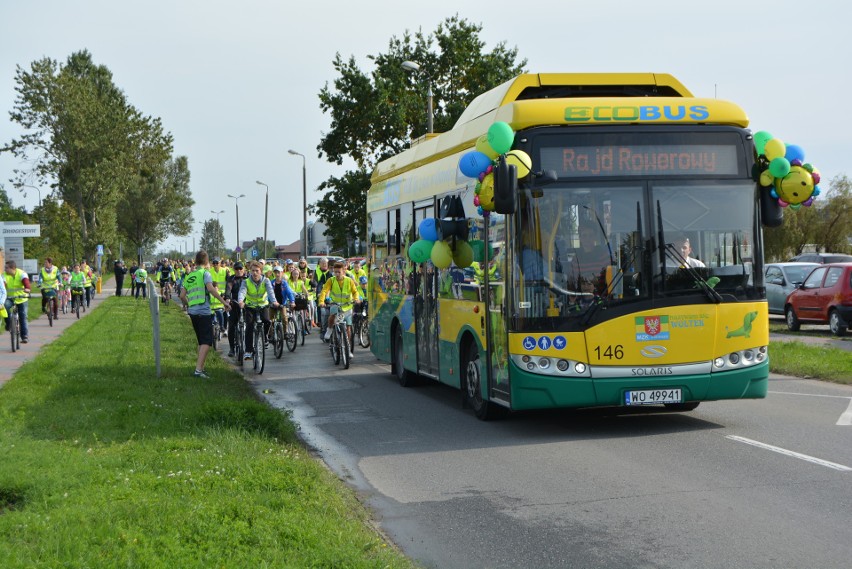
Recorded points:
444,239
479,164
783,168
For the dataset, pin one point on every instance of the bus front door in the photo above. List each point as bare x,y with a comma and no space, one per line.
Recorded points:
426,319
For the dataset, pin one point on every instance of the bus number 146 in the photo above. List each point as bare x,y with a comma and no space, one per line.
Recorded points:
610,352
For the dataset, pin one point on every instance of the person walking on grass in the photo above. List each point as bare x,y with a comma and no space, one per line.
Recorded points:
195,293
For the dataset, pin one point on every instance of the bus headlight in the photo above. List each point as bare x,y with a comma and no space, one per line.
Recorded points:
740,359
550,366
562,365
580,367
544,363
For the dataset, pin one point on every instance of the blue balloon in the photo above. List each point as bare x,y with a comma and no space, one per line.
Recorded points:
773,193
794,152
473,163
428,229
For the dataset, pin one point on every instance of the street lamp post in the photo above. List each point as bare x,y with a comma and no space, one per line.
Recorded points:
304,203
415,68
36,189
237,205
218,225
265,216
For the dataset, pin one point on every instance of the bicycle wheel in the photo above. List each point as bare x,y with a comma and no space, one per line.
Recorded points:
215,333
336,346
347,349
261,356
278,339
13,328
300,327
364,334
292,334
50,313
240,343
77,306
258,346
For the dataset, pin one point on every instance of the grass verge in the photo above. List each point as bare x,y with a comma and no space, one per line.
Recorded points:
811,361
104,465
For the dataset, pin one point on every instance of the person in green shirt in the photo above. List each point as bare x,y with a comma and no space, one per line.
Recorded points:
141,277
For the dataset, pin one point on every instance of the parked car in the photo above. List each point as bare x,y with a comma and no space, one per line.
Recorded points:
781,280
822,258
824,298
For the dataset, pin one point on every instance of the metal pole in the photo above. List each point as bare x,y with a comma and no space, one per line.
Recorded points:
304,209
429,119
265,216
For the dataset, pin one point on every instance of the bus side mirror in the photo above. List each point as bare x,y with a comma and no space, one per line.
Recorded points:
505,186
771,213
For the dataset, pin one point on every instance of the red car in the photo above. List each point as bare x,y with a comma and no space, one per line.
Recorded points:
824,298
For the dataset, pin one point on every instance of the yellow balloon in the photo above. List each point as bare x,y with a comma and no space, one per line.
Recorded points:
774,148
766,178
521,160
486,193
483,146
442,255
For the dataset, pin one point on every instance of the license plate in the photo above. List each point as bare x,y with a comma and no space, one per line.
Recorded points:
653,397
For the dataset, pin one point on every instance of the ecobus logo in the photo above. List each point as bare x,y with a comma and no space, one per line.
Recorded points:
630,113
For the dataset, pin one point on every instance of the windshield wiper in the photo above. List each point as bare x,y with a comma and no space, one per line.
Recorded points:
684,264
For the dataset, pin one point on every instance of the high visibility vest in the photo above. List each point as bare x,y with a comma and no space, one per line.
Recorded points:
342,295
219,279
256,293
78,280
87,272
141,276
49,279
196,291
15,286
300,287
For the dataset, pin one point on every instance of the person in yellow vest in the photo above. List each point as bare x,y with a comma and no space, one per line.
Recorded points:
256,294
358,271
3,313
90,291
17,291
343,291
220,276
195,295
299,285
49,285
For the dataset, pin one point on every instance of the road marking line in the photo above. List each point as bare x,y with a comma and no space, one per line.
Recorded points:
791,453
844,420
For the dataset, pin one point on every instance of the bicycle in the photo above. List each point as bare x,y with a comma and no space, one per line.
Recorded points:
259,348
14,327
52,305
360,328
65,295
340,348
77,301
240,338
303,321
217,332
166,288
278,335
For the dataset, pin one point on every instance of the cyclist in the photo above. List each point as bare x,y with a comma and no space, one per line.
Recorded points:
195,295
284,294
141,276
220,276
77,282
165,276
256,293
232,290
49,284
342,290
299,284
90,290
322,274
65,288
17,292
3,313
358,271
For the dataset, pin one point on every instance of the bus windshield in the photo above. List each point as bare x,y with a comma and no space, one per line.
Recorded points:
586,245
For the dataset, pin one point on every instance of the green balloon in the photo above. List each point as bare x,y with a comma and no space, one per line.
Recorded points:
442,256
501,137
477,246
420,250
463,255
779,167
761,137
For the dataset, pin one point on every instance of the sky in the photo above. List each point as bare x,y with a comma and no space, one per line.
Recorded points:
237,83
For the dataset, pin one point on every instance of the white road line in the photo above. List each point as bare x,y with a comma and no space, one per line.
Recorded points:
844,420
786,452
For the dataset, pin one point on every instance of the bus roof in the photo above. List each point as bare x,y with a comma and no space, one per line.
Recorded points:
540,99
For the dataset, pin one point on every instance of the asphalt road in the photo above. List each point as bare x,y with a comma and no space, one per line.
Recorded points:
765,483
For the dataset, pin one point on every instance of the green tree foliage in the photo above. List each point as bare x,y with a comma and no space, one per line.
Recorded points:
91,147
8,212
826,226
376,115
212,238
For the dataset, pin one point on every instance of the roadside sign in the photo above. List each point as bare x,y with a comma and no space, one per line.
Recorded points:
254,253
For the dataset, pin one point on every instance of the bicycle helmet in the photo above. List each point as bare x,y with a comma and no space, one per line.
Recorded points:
363,280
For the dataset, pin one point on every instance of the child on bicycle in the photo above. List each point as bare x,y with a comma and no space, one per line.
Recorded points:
49,285
283,291
343,291
78,285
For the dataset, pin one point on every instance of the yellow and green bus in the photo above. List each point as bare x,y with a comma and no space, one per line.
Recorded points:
627,167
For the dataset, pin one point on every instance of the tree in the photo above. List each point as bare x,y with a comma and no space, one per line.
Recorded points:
377,115
212,237
157,201
833,234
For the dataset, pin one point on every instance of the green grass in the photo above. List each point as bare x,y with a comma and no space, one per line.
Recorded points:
815,330
104,465
811,361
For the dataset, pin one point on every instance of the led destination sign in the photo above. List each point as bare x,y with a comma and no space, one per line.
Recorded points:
641,160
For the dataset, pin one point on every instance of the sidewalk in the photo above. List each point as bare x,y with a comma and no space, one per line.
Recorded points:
41,333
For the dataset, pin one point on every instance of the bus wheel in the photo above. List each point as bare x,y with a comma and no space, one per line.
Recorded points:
472,386
405,377
688,406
